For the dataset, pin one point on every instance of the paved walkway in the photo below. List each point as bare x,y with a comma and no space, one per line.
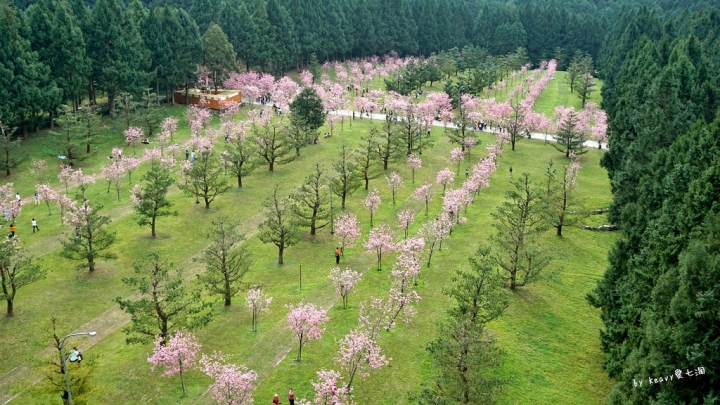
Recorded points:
534,135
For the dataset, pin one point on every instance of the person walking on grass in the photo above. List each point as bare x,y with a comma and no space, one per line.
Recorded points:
291,397
337,255
37,199
276,399
510,171
12,231
34,225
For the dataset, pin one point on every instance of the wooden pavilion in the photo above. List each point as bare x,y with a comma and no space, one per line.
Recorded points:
211,99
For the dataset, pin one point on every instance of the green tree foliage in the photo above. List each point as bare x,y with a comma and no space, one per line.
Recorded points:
160,50
347,181
569,137
165,304
310,200
227,261
655,296
23,77
280,225
218,54
89,240
89,124
563,205
388,145
80,374
16,271
189,52
241,154
306,116
10,155
151,197
119,57
204,178
580,66
464,353
365,160
69,132
149,113
69,64
518,223
237,23
273,143
307,110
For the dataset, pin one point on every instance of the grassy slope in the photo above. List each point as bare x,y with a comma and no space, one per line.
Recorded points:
549,332
558,93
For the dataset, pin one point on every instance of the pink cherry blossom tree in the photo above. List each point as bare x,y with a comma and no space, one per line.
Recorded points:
82,180
47,194
402,296
344,282
257,302
169,125
62,202
433,232
40,169
445,177
330,391
372,202
114,173
395,182
306,321
358,354
406,218
456,157
380,241
453,201
423,193
347,231
306,78
177,355
130,164
65,175
133,137
9,203
233,384
415,163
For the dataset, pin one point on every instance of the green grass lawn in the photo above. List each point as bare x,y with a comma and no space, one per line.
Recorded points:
549,332
558,93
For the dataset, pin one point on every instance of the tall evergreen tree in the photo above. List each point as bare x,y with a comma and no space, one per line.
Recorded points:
69,64
218,54
190,51
161,54
237,23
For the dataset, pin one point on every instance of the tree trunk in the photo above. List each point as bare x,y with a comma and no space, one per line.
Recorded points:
10,312
152,226
111,100
272,165
280,254
512,281
91,263
207,204
24,130
239,177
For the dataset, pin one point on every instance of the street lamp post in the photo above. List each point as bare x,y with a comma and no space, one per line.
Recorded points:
64,364
332,219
